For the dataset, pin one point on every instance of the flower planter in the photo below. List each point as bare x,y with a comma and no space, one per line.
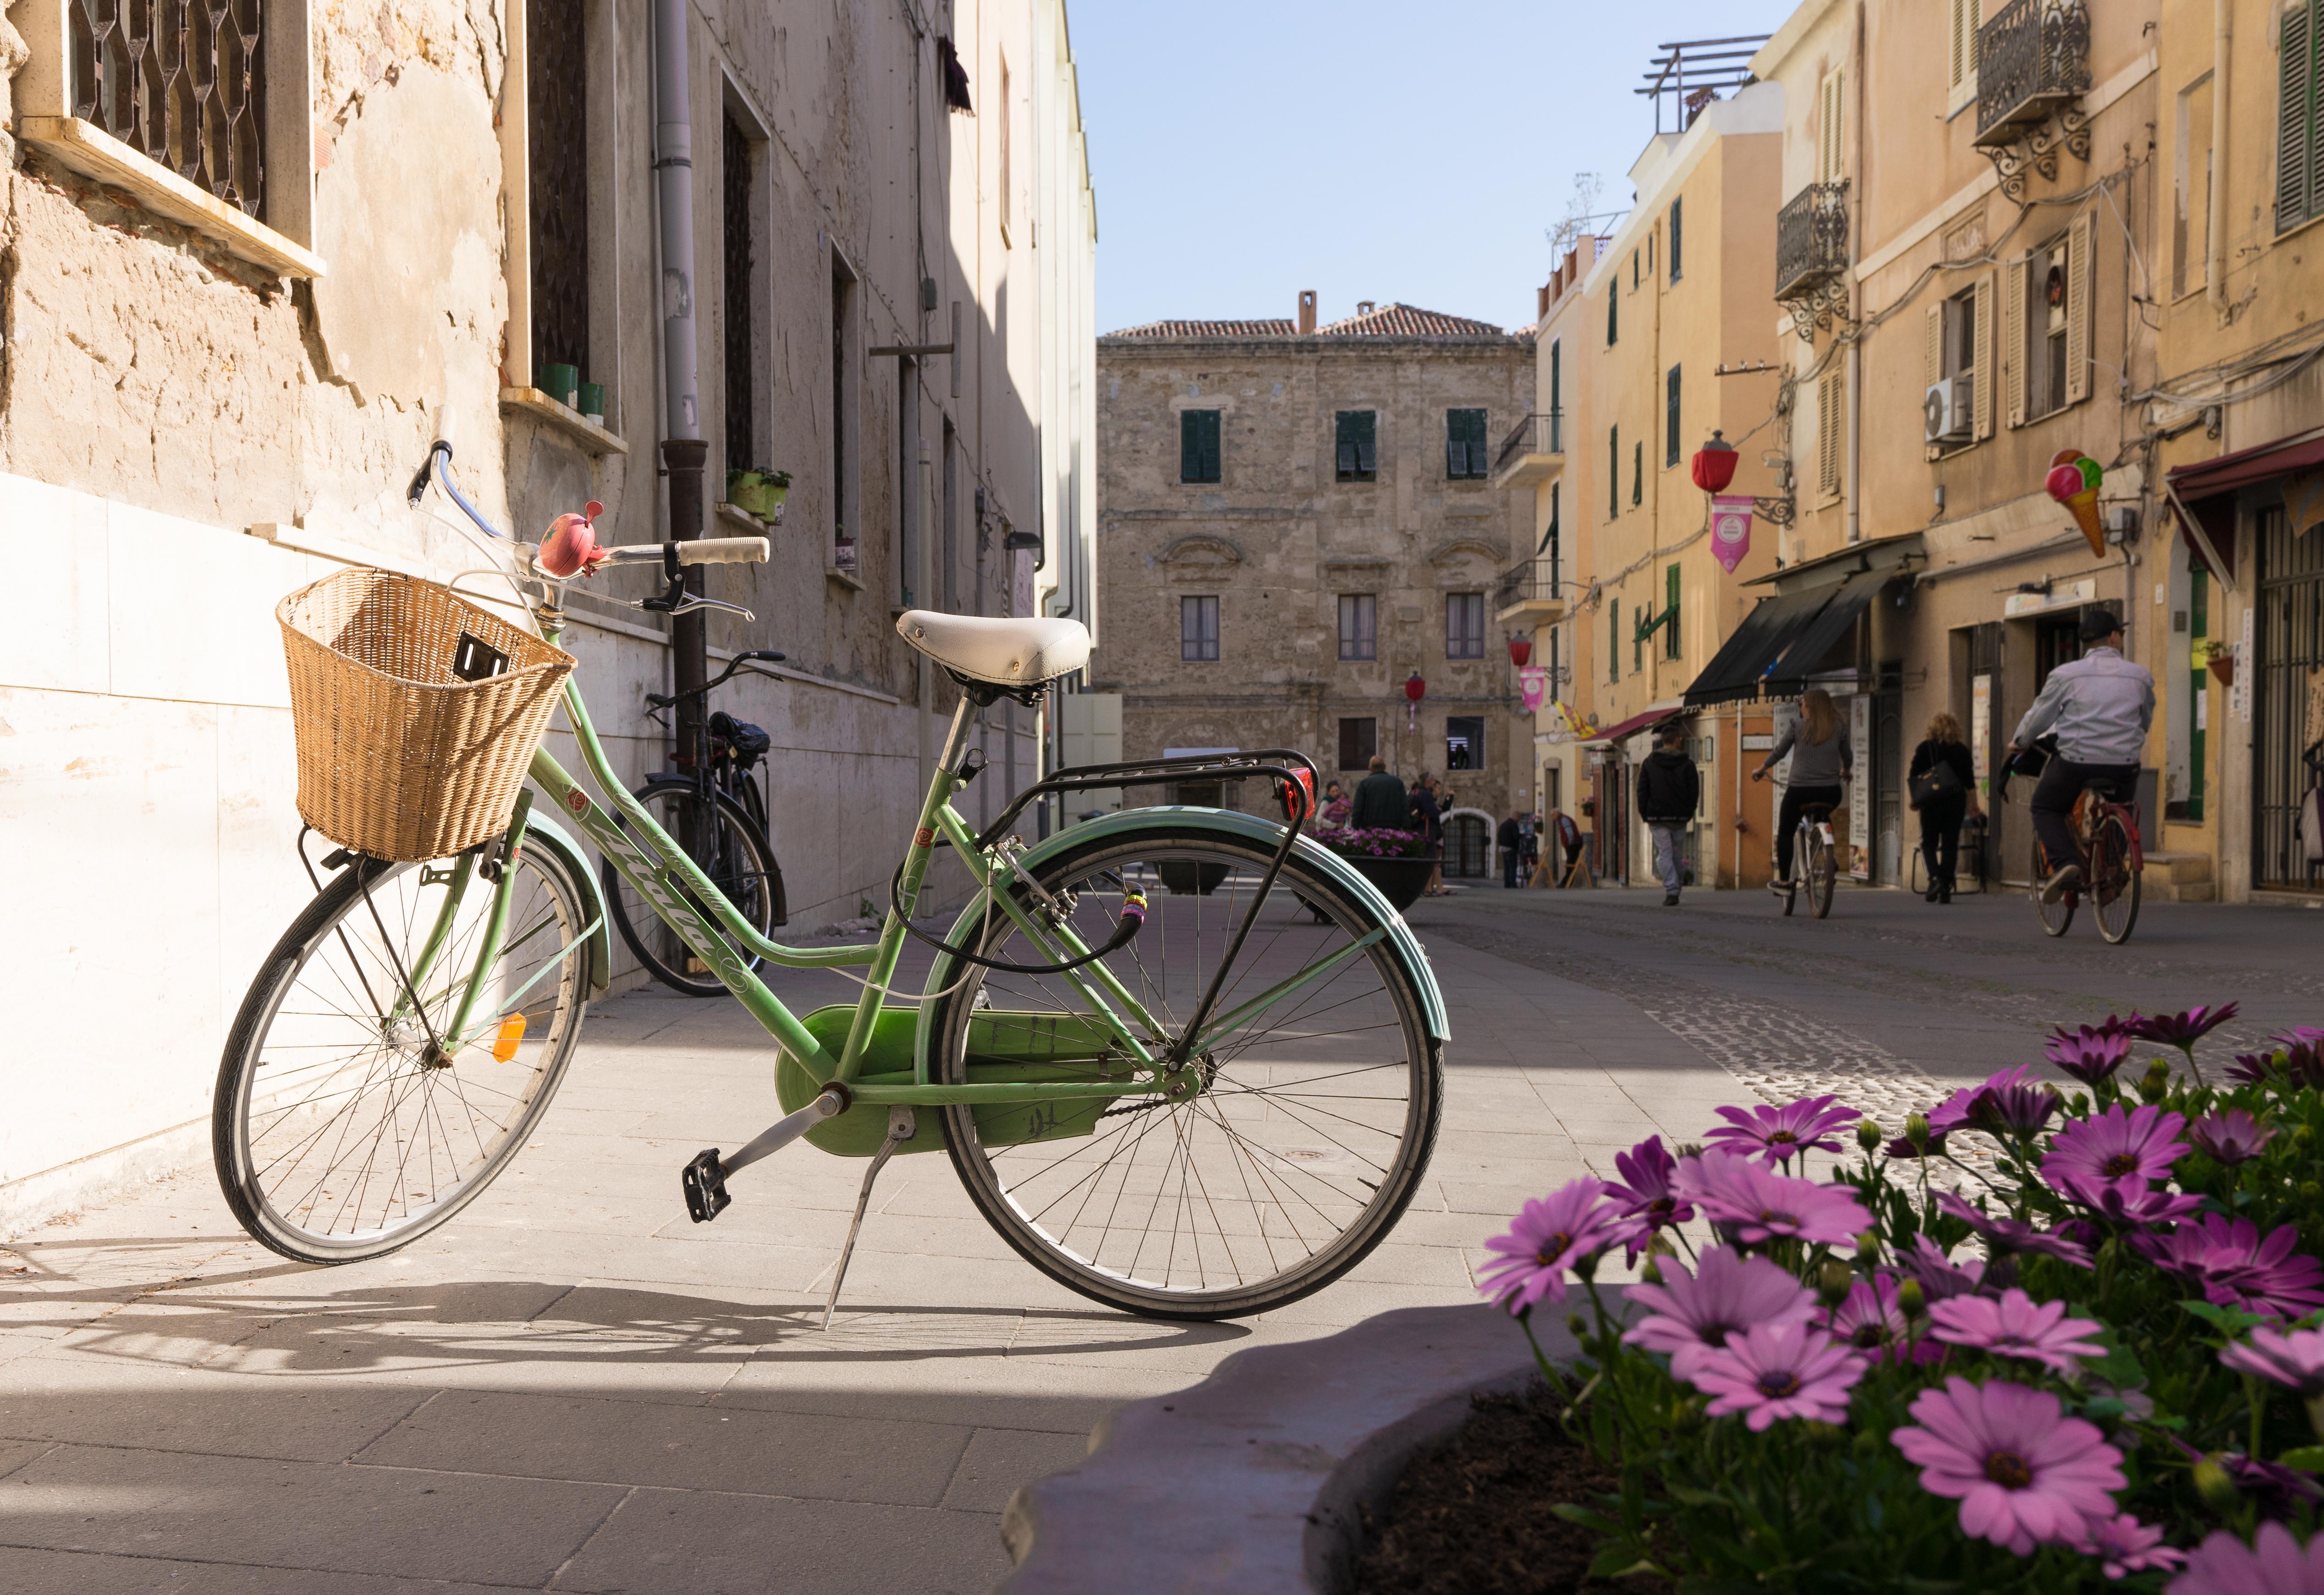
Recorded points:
1256,1482
2223,668
1401,880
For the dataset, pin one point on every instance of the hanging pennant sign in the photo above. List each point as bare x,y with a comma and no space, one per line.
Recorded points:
1533,688
1730,529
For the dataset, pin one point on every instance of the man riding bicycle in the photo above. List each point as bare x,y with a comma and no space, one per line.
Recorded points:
2099,707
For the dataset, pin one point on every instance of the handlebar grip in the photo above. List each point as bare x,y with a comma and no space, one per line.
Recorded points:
723,551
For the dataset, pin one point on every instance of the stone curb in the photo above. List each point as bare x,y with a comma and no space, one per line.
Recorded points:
1252,1482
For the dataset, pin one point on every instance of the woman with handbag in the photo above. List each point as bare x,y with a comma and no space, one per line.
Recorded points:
1943,788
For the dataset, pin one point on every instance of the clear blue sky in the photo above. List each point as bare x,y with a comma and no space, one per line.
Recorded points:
1244,151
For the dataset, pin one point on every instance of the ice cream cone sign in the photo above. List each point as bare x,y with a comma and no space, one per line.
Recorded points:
2073,482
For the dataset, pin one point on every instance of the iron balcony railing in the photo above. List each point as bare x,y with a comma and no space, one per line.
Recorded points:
1810,240
1543,432
1536,581
2032,57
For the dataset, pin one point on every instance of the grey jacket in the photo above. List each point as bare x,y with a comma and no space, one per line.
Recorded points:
2100,705
1814,764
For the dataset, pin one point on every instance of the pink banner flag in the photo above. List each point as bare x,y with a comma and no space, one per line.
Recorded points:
1730,529
1533,686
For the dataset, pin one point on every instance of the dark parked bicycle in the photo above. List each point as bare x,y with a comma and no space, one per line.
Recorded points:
719,816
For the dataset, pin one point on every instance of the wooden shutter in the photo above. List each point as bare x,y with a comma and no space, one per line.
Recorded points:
2081,240
1670,612
1964,41
2299,162
1828,434
2015,282
1829,111
1613,472
1981,385
1933,347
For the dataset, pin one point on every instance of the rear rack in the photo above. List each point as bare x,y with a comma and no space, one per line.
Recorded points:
1278,762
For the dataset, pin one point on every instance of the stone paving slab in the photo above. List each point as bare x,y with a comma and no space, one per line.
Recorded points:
573,1387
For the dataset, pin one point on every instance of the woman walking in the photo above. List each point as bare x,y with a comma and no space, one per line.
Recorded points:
1821,762
1943,786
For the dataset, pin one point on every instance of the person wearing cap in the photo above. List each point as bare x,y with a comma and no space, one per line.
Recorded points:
2099,707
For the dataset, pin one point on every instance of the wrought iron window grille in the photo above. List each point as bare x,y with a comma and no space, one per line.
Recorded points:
182,82
1812,257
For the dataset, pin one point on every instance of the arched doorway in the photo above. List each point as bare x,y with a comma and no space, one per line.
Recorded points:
1468,844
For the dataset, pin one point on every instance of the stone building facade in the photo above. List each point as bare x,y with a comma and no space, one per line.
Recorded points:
226,356
1295,520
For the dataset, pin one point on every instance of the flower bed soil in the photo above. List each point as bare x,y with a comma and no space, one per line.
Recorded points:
1476,1516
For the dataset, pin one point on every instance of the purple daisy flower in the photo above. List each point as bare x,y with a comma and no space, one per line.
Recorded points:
1777,1370
2273,1564
1644,1193
1689,1313
2013,1109
2236,1268
2116,1147
2125,1545
2303,1036
2091,1052
2275,1490
1941,1279
2125,1202
2251,1068
1551,1235
2230,1138
1757,1205
1778,1135
2004,1234
1867,1318
1953,1113
2181,1030
2017,1326
2295,1360
2024,1474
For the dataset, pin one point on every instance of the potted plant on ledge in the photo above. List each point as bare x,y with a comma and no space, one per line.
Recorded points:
759,491
1396,862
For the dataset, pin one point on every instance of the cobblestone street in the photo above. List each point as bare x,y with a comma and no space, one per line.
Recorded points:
573,1387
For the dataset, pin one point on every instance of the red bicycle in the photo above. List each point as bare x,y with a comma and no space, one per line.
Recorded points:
2108,833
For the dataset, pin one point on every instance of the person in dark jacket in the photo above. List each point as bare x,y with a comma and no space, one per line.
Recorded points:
1381,804
1670,790
1428,819
1511,839
1950,798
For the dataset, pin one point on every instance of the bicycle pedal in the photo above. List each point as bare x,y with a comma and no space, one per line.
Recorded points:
705,1183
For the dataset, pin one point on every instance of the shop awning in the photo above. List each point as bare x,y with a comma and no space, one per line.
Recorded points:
1633,725
1772,626
1790,674
2202,494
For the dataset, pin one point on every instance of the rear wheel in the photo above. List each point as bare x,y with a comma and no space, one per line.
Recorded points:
725,845
2114,884
1822,872
2055,916
1308,1120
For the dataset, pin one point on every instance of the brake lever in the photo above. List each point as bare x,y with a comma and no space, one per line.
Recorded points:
695,601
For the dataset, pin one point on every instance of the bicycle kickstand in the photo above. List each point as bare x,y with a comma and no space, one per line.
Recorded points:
902,1126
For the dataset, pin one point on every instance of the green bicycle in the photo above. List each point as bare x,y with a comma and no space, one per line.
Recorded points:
1186,1061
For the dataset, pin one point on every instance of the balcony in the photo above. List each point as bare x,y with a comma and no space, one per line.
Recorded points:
1533,451
1529,593
1810,241
2031,58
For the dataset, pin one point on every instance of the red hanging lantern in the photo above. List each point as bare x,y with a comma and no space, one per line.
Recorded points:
1415,689
1714,463
1520,652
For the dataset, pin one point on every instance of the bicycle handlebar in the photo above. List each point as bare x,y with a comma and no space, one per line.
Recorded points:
723,551
771,655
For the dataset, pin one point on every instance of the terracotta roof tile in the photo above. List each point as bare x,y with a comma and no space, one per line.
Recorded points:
1285,327
1389,321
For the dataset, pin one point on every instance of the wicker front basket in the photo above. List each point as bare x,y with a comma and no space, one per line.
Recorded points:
398,757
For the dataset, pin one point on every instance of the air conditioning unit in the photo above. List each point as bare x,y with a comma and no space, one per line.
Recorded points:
1945,412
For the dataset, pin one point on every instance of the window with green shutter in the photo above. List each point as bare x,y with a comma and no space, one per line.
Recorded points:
2300,116
1675,254
1670,612
1613,640
1613,472
1198,446
1613,310
1464,444
1356,445
1638,473
1670,418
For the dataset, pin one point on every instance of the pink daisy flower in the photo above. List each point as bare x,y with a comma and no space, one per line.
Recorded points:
1549,1236
1940,1277
2230,1138
1867,1318
2004,1234
1755,1205
2295,1360
2125,1545
2017,1326
1777,1370
2236,1268
1644,1192
2113,1147
2089,1054
2273,1564
2181,1030
1778,1135
2127,1201
1953,1112
1691,1313
2024,1474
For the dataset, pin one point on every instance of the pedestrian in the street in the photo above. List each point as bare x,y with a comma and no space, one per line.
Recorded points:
1821,762
1943,783
1528,845
2099,707
1670,790
1380,803
1428,819
1334,814
1511,839
1561,849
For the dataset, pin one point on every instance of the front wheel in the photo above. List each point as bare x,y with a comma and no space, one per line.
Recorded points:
725,843
2055,916
348,1120
2113,883
1306,1116
1822,872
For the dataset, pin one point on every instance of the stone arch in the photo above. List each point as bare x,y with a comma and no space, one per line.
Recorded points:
1466,857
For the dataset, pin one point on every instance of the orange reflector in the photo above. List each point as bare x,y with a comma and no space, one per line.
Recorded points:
504,1044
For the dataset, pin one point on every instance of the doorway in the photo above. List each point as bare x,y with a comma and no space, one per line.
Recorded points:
2288,701
1468,846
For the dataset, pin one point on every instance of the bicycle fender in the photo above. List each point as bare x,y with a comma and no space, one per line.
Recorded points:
541,831
1402,944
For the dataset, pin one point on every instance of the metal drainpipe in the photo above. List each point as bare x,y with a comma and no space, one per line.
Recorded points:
683,450
2222,42
1855,346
